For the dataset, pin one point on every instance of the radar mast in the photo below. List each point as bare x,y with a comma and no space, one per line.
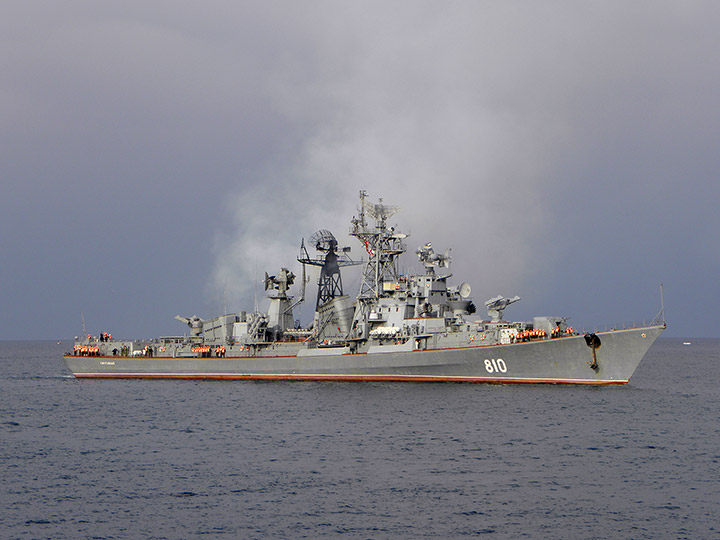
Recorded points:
383,245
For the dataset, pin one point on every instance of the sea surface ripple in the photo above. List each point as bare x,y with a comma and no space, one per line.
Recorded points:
173,459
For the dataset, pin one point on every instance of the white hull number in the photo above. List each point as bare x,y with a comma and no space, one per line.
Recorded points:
495,365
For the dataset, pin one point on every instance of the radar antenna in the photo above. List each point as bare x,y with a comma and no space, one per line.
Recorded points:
281,282
330,281
429,258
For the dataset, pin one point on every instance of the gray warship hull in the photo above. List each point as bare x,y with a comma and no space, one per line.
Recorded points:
400,327
565,360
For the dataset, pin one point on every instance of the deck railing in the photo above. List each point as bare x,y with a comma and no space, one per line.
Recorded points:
659,319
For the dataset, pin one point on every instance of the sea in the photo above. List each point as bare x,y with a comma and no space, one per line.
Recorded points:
174,459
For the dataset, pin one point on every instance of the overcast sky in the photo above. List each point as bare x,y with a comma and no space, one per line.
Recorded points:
157,158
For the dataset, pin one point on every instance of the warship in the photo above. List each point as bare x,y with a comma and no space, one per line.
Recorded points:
398,328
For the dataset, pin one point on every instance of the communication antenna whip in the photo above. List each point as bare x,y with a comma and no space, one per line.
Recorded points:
257,309
662,303
660,317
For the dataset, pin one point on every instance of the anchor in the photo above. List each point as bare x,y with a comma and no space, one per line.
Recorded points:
593,341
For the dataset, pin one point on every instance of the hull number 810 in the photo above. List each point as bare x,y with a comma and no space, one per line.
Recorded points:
495,365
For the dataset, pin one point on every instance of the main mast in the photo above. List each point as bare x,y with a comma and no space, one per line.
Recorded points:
384,246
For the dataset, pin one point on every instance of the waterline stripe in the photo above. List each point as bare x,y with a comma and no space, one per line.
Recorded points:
345,377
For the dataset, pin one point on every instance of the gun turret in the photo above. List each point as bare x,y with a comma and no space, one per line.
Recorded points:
495,306
195,323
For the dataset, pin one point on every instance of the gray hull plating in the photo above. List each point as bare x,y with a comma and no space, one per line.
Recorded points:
564,360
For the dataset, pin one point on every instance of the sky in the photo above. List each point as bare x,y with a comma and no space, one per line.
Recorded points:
157,158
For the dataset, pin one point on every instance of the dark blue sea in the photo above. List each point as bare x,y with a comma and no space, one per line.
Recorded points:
155,459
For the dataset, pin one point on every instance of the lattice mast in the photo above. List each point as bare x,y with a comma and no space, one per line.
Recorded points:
330,280
383,245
